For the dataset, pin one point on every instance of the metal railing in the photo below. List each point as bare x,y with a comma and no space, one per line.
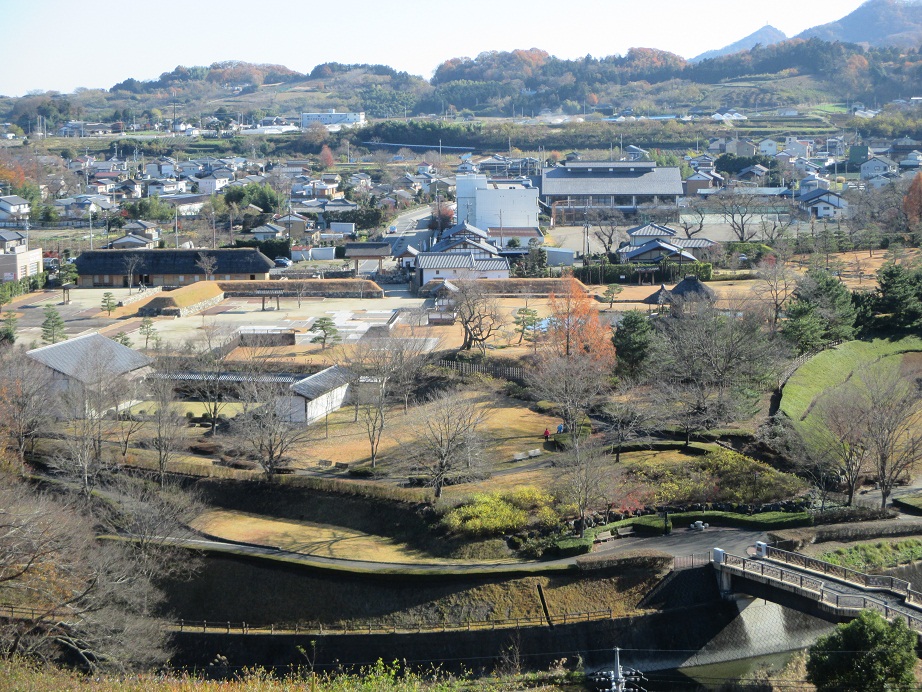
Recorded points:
506,372
814,589
692,561
882,582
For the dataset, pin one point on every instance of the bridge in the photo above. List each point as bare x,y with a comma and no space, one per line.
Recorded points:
806,583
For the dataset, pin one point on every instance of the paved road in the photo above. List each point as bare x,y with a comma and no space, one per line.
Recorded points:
682,542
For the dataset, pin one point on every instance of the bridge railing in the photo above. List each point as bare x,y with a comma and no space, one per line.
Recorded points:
813,588
868,581
774,572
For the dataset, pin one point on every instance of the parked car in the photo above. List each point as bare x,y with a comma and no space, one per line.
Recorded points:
283,262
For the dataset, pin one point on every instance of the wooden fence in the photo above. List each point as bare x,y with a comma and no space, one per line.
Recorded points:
508,372
215,627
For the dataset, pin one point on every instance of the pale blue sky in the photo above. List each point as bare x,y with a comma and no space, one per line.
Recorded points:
57,45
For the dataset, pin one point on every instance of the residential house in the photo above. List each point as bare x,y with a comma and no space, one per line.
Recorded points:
823,204
633,153
213,182
14,208
881,181
913,160
876,166
129,189
579,187
741,147
12,239
813,182
799,147
165,186
768,147
702,161
131,241
458,265
295,225
168,267
654,251
753,173
805,166
269,231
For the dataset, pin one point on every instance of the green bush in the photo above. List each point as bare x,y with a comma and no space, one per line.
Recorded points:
766,521
569,547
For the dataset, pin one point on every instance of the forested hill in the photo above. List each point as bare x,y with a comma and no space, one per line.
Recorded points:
501,84
875,23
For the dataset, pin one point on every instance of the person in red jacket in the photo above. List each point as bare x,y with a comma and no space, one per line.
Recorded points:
547,434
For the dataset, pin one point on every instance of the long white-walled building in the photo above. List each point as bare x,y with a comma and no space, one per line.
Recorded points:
331,117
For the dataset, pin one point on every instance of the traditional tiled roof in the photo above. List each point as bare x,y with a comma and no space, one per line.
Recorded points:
322,382
166,261
85,358
611,178
374,250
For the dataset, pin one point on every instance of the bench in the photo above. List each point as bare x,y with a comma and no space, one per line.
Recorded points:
324,463
519,456
532,453
604,536
625,531
341,465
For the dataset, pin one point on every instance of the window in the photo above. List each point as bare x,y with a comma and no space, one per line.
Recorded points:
182,279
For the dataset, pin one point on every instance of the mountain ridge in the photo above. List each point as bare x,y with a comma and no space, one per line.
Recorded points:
766,36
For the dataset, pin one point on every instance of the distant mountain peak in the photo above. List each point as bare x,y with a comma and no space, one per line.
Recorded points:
876,23
765,36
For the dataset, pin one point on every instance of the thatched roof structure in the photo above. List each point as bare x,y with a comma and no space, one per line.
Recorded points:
661,297
691,289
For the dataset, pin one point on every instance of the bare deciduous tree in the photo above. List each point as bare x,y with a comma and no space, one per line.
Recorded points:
24,391
480,314
739,210
692,217
166,425
267,431
845,443
207,264
777,282
573,383
892,407
450,438
131,263
583,481
608,231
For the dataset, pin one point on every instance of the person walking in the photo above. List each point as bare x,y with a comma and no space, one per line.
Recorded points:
547,434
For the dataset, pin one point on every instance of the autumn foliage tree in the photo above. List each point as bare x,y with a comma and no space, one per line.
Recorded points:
326,157
574,327
912,201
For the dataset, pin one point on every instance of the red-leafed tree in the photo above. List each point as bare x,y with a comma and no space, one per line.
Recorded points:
574,327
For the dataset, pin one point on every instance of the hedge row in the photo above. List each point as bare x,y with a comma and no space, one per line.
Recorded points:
357,488
569,547
653,524
627,273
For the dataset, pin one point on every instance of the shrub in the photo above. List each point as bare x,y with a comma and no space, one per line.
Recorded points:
527,497
765,521
568,547
485,515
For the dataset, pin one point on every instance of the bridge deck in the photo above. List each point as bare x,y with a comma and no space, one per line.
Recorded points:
833,593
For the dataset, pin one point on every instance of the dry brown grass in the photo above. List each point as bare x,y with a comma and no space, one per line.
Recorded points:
310,538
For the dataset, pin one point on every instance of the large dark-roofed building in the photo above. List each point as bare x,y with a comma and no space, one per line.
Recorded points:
106,268
577,188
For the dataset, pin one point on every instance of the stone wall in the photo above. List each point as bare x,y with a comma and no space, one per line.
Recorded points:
140,295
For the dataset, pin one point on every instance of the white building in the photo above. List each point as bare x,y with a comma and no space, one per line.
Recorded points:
486,203
458,265
331,117
20,262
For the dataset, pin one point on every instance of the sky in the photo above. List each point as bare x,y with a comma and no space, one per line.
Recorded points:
53,45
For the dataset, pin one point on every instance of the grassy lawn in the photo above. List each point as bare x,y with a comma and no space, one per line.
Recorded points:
323,540
511,427
830,369
874,556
